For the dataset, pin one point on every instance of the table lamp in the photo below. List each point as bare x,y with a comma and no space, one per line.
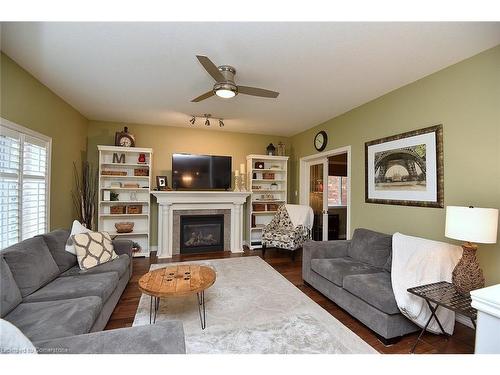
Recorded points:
470,224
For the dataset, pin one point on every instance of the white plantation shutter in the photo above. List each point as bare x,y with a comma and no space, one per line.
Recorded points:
24,183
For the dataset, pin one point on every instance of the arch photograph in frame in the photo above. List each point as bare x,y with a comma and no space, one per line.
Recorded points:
406,169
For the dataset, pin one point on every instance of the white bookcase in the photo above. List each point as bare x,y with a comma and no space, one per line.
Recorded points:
266,192
127,196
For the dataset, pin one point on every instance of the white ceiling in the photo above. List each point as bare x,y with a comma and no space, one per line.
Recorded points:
148,72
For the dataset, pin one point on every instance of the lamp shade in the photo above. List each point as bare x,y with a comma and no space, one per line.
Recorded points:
472,224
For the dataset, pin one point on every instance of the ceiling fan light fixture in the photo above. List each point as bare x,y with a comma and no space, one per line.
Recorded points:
225,90
224,93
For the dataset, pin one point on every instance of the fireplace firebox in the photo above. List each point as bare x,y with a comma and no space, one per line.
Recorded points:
201,233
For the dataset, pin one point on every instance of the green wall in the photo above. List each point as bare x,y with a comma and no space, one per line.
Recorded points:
166,140
465,98
27,102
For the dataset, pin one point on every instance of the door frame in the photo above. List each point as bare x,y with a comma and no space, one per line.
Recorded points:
304,177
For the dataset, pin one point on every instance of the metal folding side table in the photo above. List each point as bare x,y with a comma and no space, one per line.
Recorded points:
445,295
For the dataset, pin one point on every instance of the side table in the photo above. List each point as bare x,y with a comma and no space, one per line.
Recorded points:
445,295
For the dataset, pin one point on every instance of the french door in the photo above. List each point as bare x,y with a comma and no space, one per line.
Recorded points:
317,177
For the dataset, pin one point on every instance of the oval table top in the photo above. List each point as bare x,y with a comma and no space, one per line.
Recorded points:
177,280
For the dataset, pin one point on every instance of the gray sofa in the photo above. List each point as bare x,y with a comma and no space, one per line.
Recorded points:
356,276
56,305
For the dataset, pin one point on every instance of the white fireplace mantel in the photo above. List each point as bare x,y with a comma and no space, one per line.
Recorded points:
170,201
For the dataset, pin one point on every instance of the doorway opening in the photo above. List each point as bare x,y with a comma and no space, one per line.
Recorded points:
325,186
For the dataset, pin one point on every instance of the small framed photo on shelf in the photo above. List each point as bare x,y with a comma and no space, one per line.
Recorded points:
161,183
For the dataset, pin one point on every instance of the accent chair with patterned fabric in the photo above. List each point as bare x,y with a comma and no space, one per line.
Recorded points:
289,228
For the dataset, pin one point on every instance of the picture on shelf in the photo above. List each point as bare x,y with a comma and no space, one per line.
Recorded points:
162,183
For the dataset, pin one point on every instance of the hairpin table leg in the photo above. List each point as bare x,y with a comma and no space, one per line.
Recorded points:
201,306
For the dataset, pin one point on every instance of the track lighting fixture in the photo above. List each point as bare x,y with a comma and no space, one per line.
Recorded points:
207,117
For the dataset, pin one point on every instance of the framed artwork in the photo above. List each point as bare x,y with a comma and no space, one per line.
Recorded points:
161,183
406,169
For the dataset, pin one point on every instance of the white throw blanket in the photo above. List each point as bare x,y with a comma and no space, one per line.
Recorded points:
300,215
417,261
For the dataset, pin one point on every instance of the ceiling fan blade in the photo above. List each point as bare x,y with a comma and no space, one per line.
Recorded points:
257,92
204,96
211,68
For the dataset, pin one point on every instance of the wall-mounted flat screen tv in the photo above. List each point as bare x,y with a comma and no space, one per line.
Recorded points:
201,172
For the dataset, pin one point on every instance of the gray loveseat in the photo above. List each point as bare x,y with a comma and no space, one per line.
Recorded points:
356,276
61,308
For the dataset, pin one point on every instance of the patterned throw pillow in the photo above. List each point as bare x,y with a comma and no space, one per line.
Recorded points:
93,249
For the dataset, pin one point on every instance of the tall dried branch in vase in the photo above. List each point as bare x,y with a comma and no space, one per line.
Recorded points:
85,194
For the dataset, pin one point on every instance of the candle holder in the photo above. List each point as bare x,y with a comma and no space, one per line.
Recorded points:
237,183
243,185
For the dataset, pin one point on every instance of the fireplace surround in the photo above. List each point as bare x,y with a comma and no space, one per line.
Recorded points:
173,203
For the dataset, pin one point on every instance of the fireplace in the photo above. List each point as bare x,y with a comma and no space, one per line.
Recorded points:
201,233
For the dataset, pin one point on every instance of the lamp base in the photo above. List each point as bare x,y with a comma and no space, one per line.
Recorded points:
467,274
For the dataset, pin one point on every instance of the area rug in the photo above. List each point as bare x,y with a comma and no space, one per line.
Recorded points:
252,308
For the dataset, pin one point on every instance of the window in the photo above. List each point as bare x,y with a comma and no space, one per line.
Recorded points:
24,183
337,191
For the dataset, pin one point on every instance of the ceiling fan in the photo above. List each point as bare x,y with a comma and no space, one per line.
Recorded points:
224,83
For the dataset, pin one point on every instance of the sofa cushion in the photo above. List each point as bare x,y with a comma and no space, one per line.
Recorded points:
53,319
31,264
101,285
370,247
10,293
56,242
119,265
337,268
375,289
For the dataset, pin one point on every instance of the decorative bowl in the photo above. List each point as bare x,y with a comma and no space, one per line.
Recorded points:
125,227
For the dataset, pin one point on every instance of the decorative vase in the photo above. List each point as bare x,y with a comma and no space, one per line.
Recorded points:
467,274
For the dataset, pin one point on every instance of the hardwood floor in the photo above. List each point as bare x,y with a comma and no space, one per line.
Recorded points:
462,341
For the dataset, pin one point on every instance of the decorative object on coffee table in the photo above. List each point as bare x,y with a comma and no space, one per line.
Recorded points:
124,138
177,281
406,169
124,227
446,295
471,224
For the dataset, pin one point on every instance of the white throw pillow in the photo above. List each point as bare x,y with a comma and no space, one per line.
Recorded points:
93,249
13,341
75,229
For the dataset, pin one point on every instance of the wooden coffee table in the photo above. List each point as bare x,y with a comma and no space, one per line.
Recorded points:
176,281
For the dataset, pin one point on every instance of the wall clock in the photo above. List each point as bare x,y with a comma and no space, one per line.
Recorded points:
124,138
320,141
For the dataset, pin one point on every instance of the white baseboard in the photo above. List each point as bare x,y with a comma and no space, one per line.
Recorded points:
464,320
